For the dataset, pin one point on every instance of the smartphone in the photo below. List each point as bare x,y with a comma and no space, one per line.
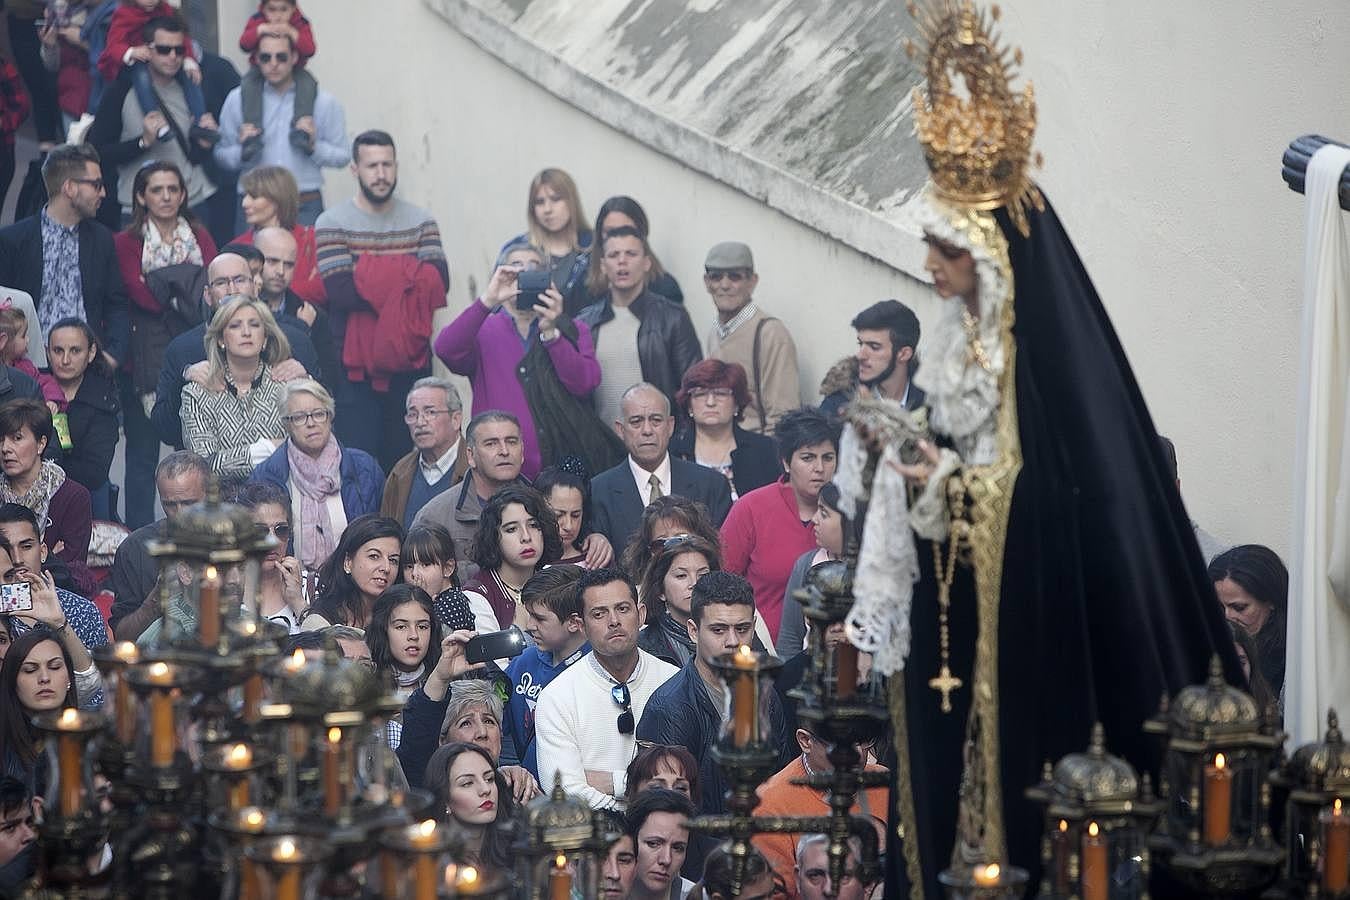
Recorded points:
531,285
497,645
16,597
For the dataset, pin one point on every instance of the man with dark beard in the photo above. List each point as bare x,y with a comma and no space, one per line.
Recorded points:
385,273
888,338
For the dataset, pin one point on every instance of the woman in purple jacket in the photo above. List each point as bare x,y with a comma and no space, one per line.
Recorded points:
489,340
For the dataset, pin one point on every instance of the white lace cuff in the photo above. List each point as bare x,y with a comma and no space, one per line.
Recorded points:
930,516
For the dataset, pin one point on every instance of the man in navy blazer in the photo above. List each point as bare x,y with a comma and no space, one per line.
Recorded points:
81,279
619,495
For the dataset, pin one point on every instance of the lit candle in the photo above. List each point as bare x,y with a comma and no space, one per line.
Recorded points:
987,876
1060,839
68,755
253,697
125,723
560,880
295,662
425,864
1336,850
208,608
1218,801
288,884
467,882
332,786
239,759
163,737
252,820
845,669
1094,876
745,715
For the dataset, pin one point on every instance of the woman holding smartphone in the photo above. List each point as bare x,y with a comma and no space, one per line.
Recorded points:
489,340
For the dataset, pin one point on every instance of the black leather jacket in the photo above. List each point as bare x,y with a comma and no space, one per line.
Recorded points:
666,342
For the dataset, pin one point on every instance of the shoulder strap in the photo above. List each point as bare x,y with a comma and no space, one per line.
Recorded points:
173,126
754,364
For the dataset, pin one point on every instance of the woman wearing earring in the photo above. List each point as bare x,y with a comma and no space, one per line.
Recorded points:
233,421
473,794
364,565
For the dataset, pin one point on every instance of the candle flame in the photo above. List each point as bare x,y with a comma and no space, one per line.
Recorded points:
1219,761
70,718
561,861
241,755
254,817
250,628
427,828
1336,807
745,652
1063,825
297,660
468,876
744,658
991,871
127,652
286,851
211,573
335,735
1092,829
159,673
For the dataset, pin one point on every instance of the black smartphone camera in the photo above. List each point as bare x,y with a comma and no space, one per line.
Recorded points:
531,285
506,644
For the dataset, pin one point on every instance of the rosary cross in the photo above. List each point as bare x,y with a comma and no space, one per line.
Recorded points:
945,682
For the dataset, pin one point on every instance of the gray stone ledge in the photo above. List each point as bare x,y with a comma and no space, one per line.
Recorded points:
882,234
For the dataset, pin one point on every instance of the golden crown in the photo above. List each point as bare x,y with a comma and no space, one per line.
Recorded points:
975,129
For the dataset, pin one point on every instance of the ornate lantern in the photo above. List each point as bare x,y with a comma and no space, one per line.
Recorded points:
1215,834
561,847
210,564
1317,776
1097,817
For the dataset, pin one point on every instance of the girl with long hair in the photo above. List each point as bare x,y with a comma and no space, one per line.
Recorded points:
404,637
473,794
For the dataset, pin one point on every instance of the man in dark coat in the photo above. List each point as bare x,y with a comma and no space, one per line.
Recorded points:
64,259
619,495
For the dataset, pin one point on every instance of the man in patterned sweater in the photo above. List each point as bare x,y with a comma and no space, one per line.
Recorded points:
375,229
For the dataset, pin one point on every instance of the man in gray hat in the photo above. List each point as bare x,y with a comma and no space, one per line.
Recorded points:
743,334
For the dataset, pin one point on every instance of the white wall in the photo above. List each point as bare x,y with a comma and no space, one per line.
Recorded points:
1162,125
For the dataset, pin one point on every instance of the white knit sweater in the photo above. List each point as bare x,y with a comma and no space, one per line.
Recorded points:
576,726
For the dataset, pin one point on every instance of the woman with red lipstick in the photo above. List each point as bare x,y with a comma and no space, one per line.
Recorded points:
471,793
517,536
404,637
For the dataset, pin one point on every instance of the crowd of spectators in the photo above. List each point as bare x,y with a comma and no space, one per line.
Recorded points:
637,502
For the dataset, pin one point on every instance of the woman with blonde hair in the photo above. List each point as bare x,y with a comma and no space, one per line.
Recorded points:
329,484
233,419
271,199
556,223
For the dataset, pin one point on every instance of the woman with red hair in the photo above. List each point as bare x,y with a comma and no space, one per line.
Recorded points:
713,394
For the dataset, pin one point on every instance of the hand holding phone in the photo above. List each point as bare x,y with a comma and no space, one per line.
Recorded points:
16,597
505,644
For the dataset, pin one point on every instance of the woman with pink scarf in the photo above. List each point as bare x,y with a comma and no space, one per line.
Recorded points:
329,484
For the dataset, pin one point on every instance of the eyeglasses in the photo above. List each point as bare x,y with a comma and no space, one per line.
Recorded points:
625,700
170,49
282,57
414,415
237,281
95,183
310,415
281,530
735,276
716,393
669,543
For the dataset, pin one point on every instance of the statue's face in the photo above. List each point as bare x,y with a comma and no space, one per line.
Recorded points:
952,268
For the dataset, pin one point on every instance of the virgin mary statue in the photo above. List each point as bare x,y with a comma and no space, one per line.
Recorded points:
1048,577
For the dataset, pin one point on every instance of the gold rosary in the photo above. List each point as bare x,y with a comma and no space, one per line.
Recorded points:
945,682
975,351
